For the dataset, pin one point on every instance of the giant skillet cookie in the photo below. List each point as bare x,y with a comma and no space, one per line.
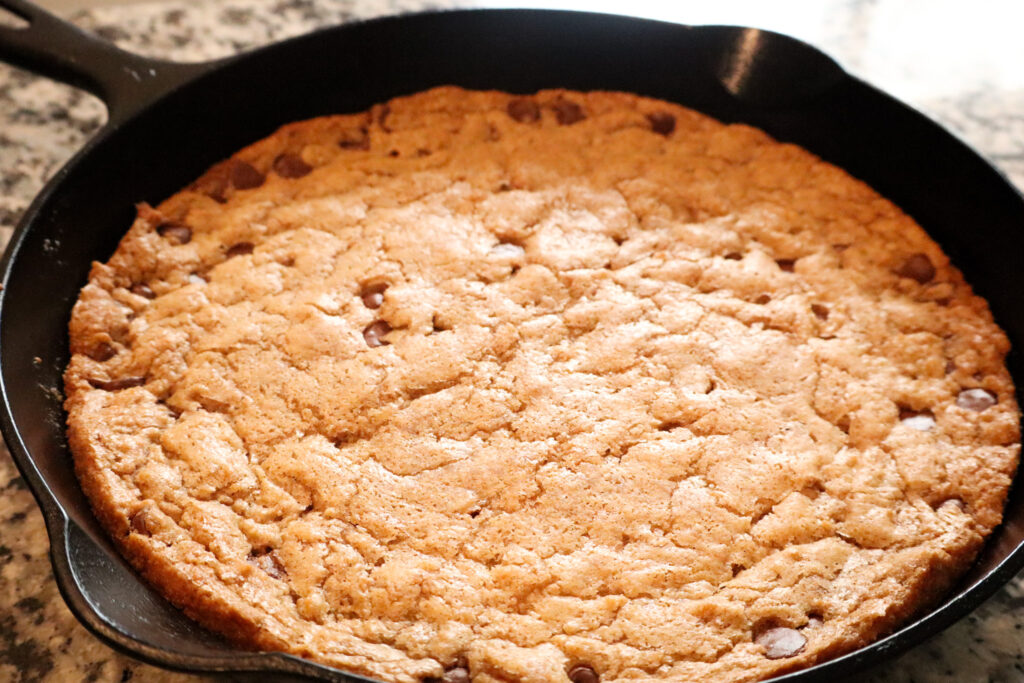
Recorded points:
569,386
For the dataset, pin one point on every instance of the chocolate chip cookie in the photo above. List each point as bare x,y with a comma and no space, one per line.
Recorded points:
555,387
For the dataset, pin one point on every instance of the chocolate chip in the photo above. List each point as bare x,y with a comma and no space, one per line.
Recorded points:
733,256
142,522
102,352
762,300
457,674
244,176
117,384
921,421
781,642
373,294
175,232
786,264
821,312
918,267
951,504
662,122
375,332
359,140
567,112
523,110
240,249
393,153
291,166
267,562
382,117
143,290
950,367
508,250
582,673
975,399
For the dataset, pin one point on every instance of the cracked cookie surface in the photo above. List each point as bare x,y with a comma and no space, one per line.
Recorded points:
568,386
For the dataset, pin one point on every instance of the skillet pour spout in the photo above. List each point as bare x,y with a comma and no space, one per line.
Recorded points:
169,122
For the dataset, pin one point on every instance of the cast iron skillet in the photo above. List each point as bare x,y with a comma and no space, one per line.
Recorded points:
169,122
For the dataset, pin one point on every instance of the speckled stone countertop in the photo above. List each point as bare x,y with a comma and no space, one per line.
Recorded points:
973,84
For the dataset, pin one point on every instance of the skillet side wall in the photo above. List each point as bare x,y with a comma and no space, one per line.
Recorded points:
958,198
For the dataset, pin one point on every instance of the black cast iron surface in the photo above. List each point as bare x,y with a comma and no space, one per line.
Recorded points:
169,122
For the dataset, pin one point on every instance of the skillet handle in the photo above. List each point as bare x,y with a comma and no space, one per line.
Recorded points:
58,49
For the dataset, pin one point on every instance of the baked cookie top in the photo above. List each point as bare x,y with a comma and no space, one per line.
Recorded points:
573,385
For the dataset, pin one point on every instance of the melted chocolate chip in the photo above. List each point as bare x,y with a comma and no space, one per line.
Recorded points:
662,122
951,503
821,312
382,117
267,562
786,264
457,674
523,110
244,176
567,112
143,290
117,384
581,673
781,642
507,250
360,140
240,249
375,332
373,294
762,300
175,232
102,352
921,421
291,166
975,399
733,256
918,267
142,522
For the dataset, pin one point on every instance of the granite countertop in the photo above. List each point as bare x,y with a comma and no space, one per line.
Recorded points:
973,84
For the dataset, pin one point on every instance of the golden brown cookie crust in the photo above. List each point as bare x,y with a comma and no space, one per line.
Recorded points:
525,386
